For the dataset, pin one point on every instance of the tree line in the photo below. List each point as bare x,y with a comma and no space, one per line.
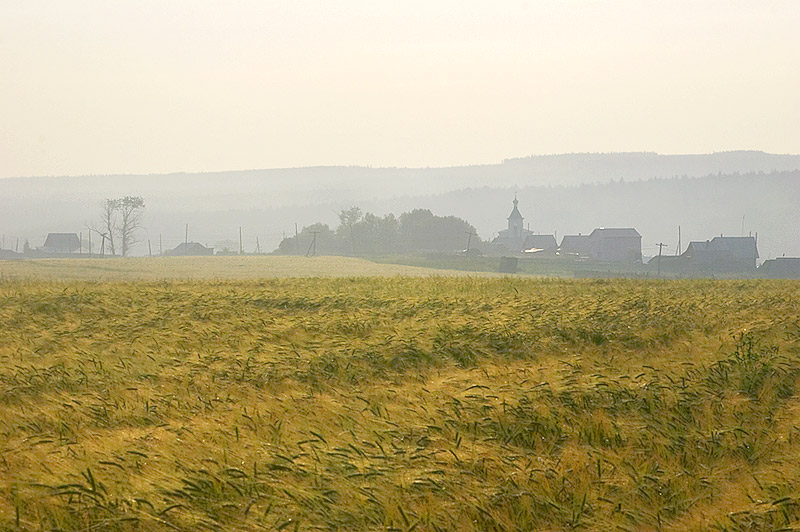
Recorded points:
361,233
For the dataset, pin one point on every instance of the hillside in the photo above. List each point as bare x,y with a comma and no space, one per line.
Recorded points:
564,193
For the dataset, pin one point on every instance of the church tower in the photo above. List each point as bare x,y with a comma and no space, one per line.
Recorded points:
515,220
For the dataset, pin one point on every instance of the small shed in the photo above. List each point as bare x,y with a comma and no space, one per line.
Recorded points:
508,265
62,243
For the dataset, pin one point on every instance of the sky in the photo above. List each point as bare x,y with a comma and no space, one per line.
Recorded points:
147,86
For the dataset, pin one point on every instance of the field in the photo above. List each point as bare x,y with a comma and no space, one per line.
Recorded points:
398,403
217,267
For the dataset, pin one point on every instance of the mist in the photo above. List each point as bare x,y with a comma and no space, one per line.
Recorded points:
729,194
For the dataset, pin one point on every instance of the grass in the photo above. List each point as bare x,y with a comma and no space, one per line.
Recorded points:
399,403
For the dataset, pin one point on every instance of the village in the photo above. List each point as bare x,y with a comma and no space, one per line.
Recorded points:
622,246
602,252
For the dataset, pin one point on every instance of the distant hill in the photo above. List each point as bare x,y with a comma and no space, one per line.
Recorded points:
704,207
580,168
566,193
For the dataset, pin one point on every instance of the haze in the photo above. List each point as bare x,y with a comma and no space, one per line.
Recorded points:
114,86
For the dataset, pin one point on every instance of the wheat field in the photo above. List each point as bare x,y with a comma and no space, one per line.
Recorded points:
398,403
209,268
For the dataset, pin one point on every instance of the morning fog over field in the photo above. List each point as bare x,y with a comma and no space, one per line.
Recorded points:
419,266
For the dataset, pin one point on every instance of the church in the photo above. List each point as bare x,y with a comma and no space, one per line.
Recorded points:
518,239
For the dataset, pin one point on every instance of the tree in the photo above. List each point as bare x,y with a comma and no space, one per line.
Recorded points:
120,218
130,209
108,223
347,218
421,230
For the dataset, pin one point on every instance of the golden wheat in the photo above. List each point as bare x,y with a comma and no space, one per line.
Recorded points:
399,403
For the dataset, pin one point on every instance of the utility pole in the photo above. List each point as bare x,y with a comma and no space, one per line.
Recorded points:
312,249
660,245
160,247
469,239
296,238
90,243
258,246
678,249
186,239
149,249
241,250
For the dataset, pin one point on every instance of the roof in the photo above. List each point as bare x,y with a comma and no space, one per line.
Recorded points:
575,244
540,242
515,212
788,267
191,248
616,232
574,238
63,242
740,247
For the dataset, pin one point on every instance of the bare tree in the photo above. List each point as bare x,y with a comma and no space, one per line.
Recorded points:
108,223
130,209
119,220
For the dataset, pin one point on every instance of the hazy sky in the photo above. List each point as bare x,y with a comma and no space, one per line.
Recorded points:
140,86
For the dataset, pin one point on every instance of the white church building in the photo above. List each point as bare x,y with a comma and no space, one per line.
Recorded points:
518,239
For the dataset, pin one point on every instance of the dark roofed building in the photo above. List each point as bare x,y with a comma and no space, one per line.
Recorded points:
781,268
577,245
616,244
190,249
540,244
725,253
62,243
623,244
720,255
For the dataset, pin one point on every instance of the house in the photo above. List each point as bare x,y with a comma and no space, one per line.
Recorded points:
722,254
605,244
616,245
576,245
542,244
780,268
61,243
187,249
